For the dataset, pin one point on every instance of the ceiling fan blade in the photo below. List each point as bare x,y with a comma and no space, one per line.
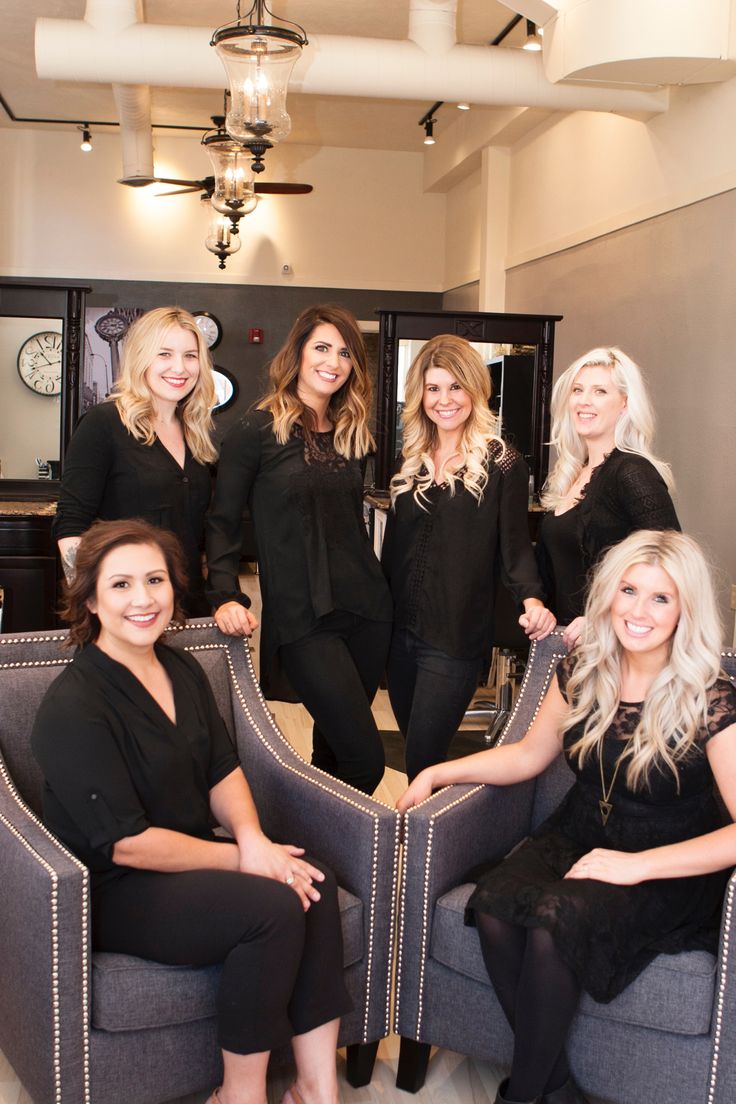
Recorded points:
192,185
178,191
273,187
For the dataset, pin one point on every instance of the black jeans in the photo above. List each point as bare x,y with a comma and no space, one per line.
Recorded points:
282,967
336,670
429,692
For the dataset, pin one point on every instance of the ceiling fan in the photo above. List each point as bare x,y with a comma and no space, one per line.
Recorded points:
207,185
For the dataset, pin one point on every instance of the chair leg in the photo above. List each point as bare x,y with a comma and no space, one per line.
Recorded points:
413,1062
361,1058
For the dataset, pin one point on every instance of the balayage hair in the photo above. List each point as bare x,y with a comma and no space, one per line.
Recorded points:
458,357
100,539
132,395
676,705
348,407
634,428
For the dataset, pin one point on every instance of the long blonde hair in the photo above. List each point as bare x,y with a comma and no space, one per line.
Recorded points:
677,702
133,397
458,357
634,428
348,408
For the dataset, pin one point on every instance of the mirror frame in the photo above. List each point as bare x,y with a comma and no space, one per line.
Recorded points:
31,299
502,329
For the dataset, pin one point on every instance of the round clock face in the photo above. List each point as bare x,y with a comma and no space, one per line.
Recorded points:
39,362
209,327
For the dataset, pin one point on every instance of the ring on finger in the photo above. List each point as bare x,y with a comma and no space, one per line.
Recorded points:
290,879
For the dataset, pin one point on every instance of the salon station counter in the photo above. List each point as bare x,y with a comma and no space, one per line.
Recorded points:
28,565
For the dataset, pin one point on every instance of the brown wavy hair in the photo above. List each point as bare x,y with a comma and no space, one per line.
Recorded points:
348,407
102,537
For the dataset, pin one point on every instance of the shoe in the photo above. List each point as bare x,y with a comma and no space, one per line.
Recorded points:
568,1093
501,1099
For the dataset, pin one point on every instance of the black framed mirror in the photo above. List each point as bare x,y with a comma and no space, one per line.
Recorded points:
40,368
518,349
226,387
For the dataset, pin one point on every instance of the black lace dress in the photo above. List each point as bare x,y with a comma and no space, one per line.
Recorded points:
606,933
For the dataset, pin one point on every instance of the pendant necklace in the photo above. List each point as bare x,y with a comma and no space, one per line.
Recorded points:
605,804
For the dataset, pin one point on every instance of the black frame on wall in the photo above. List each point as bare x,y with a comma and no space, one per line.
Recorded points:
504,329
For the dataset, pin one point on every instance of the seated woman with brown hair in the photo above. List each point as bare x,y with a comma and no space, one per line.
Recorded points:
137,762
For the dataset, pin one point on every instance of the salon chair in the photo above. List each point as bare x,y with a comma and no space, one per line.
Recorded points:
81,1027
669,1037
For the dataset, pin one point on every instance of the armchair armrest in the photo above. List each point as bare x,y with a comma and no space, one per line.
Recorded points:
722,1073
44,954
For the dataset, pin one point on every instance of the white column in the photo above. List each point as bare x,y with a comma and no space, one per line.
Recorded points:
495,184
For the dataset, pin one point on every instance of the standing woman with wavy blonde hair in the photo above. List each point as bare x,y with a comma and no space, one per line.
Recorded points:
632,863
295,461
458,518
145,452
606,481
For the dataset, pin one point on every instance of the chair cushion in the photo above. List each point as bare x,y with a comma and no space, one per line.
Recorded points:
675,993
132,994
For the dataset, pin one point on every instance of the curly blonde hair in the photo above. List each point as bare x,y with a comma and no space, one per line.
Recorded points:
458,357
634,428
677,702
348,407
133,397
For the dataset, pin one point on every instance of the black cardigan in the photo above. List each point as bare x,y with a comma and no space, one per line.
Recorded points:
625,493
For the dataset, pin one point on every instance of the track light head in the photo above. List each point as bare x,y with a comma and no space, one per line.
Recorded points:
429,132
86,143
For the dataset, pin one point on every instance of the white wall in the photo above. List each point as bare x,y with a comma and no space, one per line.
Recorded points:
462,232
368,223
29,423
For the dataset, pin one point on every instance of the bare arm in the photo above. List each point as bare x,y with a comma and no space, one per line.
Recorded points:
700,855
172,852
502,766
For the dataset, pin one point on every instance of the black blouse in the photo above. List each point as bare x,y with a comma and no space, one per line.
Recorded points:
314,553
625,493
443,562
108,474
113,762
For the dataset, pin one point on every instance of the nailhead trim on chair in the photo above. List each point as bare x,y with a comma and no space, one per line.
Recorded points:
54,901
227,646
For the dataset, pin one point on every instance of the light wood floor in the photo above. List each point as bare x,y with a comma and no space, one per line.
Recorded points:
452,1078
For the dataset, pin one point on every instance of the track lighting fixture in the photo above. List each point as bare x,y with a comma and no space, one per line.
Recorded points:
429,132
86,143
533,40
463,106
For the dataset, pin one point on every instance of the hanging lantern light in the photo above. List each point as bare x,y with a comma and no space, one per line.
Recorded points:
258,60
234,191
222,239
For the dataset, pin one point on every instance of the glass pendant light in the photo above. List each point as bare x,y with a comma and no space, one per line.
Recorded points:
234,190
221,238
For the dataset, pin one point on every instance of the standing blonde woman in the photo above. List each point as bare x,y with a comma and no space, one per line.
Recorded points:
145,452
630,864
606,481
458,518
295,461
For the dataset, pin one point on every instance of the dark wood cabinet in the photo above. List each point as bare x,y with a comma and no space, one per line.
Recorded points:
28,573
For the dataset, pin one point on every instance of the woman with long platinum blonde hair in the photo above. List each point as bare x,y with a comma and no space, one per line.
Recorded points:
145,451
295,461
632,863
458,518
606,481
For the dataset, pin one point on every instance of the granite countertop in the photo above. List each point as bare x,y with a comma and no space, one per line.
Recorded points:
34,507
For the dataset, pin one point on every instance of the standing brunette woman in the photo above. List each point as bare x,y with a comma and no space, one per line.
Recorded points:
629,866
138,765
459,517
295,462
606,482
145,452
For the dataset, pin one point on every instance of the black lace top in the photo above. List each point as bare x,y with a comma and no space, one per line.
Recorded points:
314,553
625,493
608,933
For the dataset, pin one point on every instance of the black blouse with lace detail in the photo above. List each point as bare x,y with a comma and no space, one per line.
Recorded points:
443,560
314,553
607,933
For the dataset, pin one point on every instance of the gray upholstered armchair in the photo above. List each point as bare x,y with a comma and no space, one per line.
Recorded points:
669,1037
86,1028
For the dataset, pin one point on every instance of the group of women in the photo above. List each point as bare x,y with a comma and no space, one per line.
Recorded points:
137,761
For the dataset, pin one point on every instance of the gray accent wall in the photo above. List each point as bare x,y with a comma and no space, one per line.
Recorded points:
664,290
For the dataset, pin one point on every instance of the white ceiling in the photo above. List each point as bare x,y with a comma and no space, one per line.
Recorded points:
316,120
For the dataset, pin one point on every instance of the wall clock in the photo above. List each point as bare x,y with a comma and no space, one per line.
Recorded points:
210,328
39,362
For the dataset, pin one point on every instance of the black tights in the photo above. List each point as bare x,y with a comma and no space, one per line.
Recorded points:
539,996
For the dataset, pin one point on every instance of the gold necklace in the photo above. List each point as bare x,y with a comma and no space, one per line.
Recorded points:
605,804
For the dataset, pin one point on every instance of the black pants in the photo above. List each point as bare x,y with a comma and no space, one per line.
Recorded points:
429,692
282,968
336,670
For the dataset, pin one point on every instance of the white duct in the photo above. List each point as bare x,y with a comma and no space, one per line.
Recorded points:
134,111
138,53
